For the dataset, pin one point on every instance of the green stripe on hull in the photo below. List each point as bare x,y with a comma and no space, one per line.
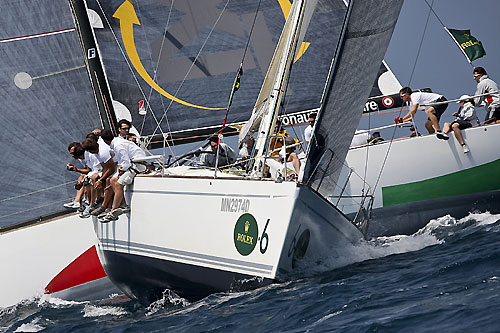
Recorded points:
478,179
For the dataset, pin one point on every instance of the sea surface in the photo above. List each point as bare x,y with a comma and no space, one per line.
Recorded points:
444,278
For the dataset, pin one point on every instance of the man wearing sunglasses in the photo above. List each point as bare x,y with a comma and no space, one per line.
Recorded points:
491,102
124,128
431,103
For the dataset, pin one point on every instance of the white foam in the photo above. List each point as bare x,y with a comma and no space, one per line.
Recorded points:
99,311
168,298
47,299
32,326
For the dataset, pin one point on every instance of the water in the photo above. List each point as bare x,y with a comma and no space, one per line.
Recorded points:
446,277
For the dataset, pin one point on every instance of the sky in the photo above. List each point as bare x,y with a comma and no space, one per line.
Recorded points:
441,65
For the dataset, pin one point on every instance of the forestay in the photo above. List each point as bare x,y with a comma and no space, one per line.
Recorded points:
366,36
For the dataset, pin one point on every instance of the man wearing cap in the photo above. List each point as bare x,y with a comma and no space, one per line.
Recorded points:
491,101
464,118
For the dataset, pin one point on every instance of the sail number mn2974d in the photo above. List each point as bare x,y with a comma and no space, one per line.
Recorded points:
235,205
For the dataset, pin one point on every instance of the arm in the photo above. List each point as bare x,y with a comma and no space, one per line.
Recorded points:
478,101
109,169
410,113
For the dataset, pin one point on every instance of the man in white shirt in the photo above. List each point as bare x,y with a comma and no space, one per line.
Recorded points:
426,102
491,101
125,152
309,129
102,153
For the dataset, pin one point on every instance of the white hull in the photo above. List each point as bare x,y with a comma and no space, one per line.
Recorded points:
184,232
56,257
424,173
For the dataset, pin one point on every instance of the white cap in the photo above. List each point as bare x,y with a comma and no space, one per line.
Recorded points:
463,98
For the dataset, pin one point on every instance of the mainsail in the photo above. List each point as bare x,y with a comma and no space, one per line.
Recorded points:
47,102
360,52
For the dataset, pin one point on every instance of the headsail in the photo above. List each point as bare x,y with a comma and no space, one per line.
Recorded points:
47,102
191,51
366,36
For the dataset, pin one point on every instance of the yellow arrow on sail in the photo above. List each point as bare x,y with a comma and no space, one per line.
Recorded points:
286,6
127,16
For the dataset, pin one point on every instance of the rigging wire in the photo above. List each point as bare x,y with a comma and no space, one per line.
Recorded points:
409,81
155,75
37,191
128,63
34,208
192,64
240,70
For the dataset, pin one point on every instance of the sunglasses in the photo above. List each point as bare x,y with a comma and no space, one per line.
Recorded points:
125,128
476,75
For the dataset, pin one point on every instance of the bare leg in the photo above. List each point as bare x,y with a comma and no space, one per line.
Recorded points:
433,118
118,189
80,192
295,161
447,127
108,194
429,127
458,134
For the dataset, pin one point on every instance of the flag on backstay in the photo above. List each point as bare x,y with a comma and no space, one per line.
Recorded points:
236,84
470,46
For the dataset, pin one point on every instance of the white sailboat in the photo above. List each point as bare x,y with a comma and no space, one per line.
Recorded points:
196,232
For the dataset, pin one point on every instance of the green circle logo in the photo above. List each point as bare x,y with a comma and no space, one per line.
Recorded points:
246,232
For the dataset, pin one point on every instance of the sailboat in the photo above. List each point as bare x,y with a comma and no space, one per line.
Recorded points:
196,230
59,94
48,101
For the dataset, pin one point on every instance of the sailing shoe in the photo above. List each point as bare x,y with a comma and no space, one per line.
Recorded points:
123,209
442,136
108,218
86,212
82,207
98,210
106,211
120,210
72,205
465,148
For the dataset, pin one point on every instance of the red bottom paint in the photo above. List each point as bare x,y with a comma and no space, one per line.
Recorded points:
85,268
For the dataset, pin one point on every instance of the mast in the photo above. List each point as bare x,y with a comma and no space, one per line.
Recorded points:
94,65
267,105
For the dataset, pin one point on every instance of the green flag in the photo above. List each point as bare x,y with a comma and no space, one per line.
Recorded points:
470,46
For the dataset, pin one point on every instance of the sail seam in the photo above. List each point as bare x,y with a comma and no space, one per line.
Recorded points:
43,34
371,32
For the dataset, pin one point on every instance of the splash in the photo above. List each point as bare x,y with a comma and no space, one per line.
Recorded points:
34,326
168,298
434,233
99,311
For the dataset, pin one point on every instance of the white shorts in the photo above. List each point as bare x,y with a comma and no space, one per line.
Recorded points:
128,176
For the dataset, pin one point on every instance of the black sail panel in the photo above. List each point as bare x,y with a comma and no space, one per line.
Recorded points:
367,33
191,50
47,102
